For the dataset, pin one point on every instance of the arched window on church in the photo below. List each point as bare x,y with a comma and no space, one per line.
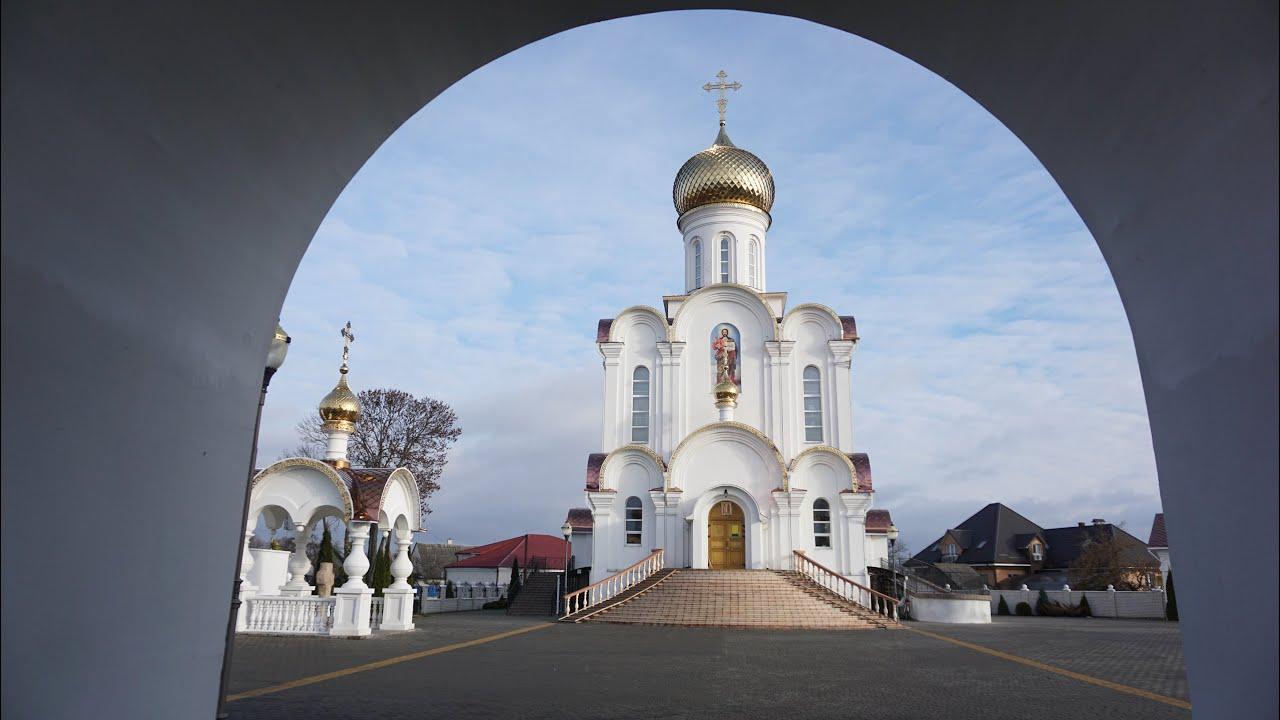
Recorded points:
697,263
635,520
812,405
640,405
753,263
821,523
724,259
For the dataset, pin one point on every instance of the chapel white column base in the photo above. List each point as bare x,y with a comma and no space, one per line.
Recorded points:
397,609
354,600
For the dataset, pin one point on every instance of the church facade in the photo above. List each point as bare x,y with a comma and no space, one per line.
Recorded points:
727,438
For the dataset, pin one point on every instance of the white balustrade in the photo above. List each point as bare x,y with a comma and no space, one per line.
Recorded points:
289,615
619,582
376,607
850,590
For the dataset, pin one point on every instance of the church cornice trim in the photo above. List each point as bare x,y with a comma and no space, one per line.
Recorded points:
339,482
661,327
733,290
836,330
734,425
633,448
827,449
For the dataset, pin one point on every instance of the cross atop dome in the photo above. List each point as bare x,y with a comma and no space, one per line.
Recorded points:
720,85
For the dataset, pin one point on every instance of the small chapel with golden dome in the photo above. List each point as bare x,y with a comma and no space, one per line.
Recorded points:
727,437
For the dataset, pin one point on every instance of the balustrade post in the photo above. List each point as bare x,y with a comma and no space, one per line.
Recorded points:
397,612
354,599
299,565
247,589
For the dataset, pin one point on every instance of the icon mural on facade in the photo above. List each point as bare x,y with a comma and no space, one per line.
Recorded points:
725,341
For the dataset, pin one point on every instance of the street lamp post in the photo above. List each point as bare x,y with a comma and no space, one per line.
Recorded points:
567,530
892,534
275,359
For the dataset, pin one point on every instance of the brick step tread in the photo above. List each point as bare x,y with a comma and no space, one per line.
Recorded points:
740,598
620,598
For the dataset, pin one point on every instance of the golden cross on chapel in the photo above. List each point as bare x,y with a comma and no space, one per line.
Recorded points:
722,102
347,339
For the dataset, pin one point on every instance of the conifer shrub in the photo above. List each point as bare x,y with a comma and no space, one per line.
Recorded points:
1042,603
1003,607
1085,610
1023,609
513,587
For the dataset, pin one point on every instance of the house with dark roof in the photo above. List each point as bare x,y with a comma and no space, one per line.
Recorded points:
1007,549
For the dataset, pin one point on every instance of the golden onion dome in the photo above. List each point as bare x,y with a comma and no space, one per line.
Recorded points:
726,391
340,408
723,173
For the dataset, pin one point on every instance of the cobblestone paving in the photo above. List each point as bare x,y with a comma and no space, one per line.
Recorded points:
1146,654
621,671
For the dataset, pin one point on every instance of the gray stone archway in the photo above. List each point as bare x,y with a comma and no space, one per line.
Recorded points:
166,165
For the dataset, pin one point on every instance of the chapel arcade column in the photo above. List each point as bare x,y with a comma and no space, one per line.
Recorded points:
354,599
397,613
299,565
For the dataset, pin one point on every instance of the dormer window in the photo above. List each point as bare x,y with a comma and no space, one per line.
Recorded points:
1037,552
950,552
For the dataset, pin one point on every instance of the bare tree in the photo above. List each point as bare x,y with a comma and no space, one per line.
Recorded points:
395,430
1106,559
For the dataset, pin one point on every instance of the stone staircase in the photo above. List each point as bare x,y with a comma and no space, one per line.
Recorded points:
537,596
737,599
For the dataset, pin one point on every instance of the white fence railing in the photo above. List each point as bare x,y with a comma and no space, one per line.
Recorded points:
376,607
433,597
834,582
598,592
1102,603
289,615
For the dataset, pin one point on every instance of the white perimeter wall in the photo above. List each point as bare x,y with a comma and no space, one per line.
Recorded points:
1102,603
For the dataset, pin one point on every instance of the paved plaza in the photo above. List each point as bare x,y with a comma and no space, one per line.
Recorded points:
1108,668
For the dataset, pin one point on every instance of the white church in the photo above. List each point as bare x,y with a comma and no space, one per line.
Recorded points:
728,428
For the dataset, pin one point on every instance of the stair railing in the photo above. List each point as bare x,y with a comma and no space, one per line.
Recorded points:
834,582
610,587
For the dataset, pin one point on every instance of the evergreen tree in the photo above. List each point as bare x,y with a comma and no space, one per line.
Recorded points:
1003,607
1042,602
1085,610
1171,602
381,568
326,548
513,588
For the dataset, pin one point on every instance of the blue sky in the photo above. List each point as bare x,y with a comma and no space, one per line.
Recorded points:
477,248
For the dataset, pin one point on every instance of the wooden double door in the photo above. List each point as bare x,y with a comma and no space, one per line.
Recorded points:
726,537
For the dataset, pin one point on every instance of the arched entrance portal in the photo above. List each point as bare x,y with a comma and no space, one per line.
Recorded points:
726,537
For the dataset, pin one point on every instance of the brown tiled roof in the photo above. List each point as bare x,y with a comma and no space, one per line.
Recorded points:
878,520
365,486
1158,538
602,330
850,327
580,519
594,461
862,464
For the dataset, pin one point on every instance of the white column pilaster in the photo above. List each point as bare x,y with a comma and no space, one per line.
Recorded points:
397,611
841,353
790,527
669,359
613,433
354,599
603,540
855,521
781,395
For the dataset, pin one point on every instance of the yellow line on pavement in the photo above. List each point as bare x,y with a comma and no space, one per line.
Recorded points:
300,682
1060,671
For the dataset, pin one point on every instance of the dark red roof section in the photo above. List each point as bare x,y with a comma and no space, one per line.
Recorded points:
547,549
365,486
1159,538
594,461
878,520
850,327
862,464
602,330
580,519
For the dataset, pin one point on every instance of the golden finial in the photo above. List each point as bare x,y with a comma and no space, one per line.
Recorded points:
340,409
722,102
